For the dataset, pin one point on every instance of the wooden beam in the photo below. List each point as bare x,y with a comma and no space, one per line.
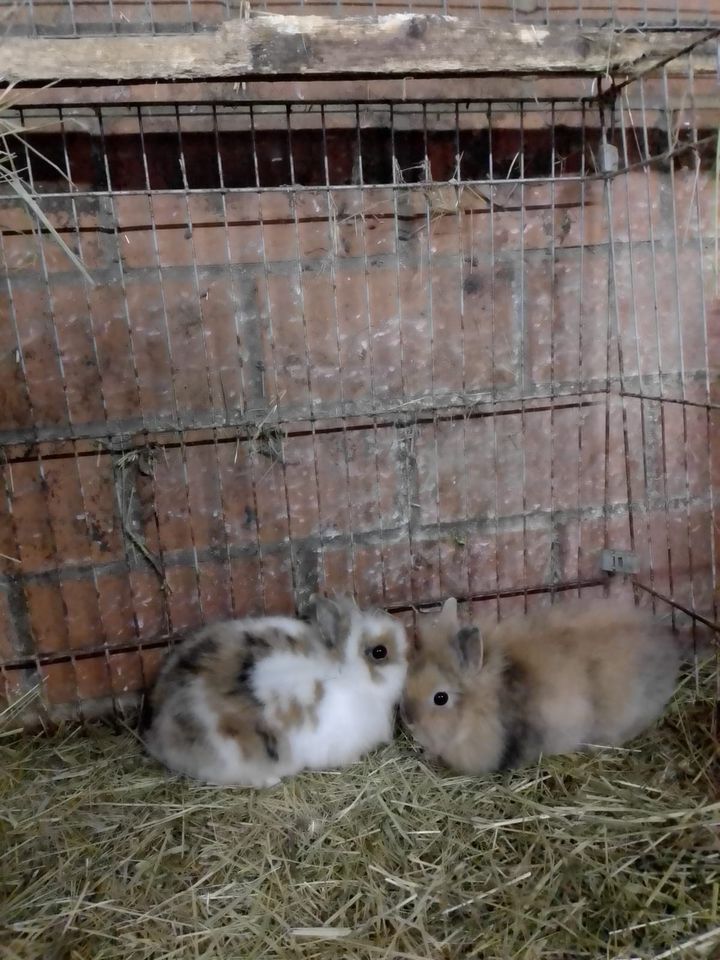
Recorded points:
398,45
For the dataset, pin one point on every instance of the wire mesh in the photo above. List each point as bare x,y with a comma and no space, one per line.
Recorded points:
101,17
405,349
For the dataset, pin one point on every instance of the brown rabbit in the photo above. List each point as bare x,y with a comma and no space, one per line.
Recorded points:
567,678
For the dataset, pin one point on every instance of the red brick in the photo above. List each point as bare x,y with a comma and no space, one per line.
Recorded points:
368,563
679,538
368,219
248,586
115,351
314,211
489,327
454,567
13,684
82,616
301,487
568,549
544,446
97,248
675,450
171,500
277,583
397,571
286,347
245,232
173,235
59,683
126,673
479,467
443,235
149,603
640,202
537,319
44,378
117,612
592,454
614,458
446,350
150,343
278,227
215,591
183,597
509,464
335,455
209,238
227,353
322,326
15,410
46,616
238,505
99,506
579,216
442,471
203,493
35,540
137,242
271,497
424,570
67,512
565,290
337,569
20,252
187,343
415,330
358,372
93,679
593,313
564,447
385,344
376,491
151,662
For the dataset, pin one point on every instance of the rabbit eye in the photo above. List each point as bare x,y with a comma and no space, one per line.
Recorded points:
440,698
379,652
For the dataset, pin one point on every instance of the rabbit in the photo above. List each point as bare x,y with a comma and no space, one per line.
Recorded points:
569,678
249,702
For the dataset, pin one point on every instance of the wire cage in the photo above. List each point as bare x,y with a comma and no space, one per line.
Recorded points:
69,18
403,346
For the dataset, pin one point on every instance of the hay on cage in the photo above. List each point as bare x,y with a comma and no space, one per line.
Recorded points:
614,855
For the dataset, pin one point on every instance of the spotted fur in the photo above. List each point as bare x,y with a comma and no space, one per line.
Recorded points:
252,701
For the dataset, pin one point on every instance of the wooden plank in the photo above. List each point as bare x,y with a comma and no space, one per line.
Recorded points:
397,45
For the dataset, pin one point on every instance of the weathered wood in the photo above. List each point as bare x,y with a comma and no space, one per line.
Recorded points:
398,45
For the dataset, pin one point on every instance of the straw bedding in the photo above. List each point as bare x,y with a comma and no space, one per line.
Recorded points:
104,856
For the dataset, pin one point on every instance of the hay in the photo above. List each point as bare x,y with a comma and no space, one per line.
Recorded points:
612,856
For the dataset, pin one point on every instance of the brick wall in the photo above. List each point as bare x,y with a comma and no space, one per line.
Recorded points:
399,388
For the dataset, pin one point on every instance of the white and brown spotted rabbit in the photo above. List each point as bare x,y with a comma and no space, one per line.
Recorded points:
567,678
249,702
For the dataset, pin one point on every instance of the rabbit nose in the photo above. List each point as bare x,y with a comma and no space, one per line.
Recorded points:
406,714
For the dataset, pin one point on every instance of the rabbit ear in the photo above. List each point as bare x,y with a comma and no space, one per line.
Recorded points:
449,614
468,647
332,619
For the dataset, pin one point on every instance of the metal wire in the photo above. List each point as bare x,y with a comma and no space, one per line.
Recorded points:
404,349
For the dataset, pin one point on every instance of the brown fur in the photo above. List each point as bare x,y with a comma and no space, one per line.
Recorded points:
393,653
554,681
